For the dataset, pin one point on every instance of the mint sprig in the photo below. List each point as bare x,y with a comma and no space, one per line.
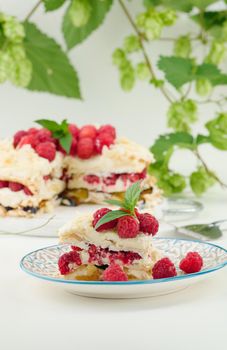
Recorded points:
59,131
127,205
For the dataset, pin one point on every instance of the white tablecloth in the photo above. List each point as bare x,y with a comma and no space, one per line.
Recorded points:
34,315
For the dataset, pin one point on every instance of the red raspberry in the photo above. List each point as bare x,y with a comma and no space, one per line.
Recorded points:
193,262
4,184
27,191
18,136
85,148
98,215
127,227
148,224
143,174
28,140
92,179
66,259
88,131
102,140
73,148
110,180
74,130
134,177
164,268
114,273
109,129
46,150
15,186
44,135
77,249
32,131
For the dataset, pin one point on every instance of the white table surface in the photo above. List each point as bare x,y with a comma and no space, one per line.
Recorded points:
34,315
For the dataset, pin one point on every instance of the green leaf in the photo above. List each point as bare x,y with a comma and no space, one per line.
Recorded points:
207,230
211,18
179,5
73,35
48,124
51,5
202,4
178,70
132,195
115,202
111,215
52,71
202,139
212,73
66,141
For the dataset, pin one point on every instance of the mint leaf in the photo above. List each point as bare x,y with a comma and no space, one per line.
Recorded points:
132,195
115,202
111,215
51,5
48,124
207,230
52,71
73,35
66,141
178,70
212,73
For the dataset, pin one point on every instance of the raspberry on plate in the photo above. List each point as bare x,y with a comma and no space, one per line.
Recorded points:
66,259
148,224
109,129
4,184
98,215
102,140
164,268
127,227
74,130
88,131
15,186
85,148
18,136
192,263
44,135
46,150
114,273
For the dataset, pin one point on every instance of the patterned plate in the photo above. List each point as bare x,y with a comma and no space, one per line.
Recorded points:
42,263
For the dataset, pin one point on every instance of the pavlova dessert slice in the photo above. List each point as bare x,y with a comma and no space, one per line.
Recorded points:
30,174
111,245
104,166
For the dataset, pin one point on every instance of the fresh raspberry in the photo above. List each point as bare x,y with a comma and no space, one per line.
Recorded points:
88,131
102,140
4,184
110,180
32,131
92,179
164,268
74,130
85,148
66,259
44,135
46,150
15,186
31,140
193,262
73,147
148,224
18,136
98,215
27,191
127,227
114,273
109,129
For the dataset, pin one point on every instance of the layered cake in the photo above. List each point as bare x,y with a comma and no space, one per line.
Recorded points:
41,167
109,244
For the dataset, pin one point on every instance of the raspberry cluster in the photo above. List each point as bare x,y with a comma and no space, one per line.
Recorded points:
128,226
15,187
86,142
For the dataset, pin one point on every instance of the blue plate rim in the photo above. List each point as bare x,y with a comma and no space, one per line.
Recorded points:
126,283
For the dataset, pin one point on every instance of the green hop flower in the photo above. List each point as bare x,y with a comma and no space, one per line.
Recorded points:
218,131
200,181
142,71
80,12
153,28
13,30
182,46
131,44
217,53
181,114
16,51
21,73
171,183
4,61
168,17
119,57
203,86
127,77
141,20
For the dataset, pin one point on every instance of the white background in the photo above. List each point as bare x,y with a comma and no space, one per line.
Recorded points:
140,114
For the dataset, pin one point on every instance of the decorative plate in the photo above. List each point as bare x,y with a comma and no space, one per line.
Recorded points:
42,263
